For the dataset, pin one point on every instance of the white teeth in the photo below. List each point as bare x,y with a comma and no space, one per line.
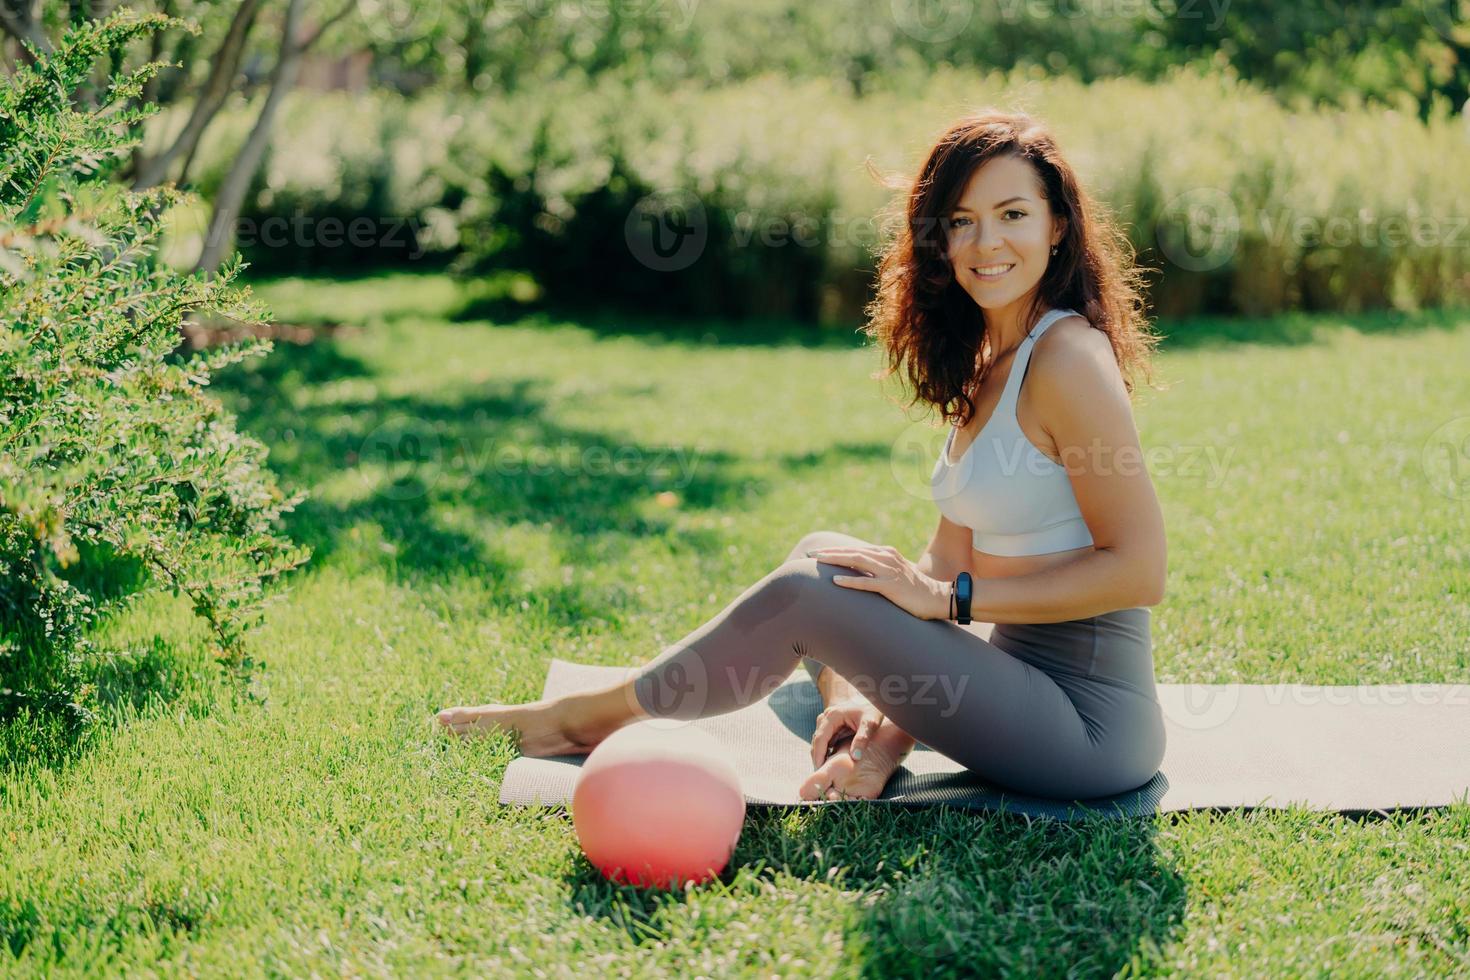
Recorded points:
991,270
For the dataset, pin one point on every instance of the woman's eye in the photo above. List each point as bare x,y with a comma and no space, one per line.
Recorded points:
1019,214
956,221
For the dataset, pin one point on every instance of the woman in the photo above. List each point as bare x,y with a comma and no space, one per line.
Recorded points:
1004,264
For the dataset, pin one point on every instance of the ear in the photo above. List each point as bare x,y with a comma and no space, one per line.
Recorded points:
1059,230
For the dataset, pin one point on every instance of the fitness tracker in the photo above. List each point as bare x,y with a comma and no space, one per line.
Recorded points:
961,592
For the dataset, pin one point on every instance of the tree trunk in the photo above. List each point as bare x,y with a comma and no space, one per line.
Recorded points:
223,68
220,238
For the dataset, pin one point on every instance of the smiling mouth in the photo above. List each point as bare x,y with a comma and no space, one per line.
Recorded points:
992,271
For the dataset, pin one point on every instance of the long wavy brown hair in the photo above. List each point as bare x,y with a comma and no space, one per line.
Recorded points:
934,332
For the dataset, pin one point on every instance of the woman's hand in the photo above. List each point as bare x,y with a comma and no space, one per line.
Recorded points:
861,769
858,716
891,575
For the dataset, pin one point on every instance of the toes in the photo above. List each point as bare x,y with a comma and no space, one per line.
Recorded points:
820,782
814,786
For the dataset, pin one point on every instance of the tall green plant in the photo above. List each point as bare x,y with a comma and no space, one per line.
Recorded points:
118,472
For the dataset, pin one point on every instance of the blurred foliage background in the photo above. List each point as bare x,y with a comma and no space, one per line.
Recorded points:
1263,158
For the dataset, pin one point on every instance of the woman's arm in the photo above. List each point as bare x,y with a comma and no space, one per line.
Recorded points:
948,552
1082,398
1093,583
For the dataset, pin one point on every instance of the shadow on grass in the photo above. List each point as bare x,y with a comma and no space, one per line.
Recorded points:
169,921
420,485
655,328
141,680
945,892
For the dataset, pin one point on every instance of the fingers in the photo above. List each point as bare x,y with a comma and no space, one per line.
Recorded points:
820,738
880,551
866,730
851,558
830,728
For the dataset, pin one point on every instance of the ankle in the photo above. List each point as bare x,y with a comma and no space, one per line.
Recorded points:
588,719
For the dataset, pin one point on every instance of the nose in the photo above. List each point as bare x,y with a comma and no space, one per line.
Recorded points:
987,236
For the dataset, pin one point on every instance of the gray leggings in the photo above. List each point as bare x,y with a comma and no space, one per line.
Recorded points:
1063,710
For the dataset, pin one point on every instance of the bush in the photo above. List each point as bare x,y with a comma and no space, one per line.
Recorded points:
118,473
1243,205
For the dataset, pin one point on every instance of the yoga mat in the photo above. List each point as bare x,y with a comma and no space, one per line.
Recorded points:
1350,749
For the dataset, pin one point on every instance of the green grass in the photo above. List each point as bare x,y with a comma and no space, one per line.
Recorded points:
327,831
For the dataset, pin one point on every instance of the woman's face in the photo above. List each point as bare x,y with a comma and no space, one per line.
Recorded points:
1001,232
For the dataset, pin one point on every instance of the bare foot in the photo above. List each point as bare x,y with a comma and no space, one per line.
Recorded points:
538,727
842,776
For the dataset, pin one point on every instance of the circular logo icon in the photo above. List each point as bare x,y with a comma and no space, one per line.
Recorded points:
1446,458
675,693
1199,707
914,460
930,917
932,21
1449,18
399,20
396,459
1199,229
667,231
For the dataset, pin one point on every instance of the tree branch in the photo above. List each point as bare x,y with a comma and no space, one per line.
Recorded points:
346,9
18,19
223,67
231,195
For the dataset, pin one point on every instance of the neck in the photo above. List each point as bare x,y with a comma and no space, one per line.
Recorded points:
1004,325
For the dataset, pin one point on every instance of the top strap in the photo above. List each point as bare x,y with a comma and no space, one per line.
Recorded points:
1012,390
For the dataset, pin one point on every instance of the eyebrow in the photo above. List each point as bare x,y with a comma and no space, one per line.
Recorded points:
961,207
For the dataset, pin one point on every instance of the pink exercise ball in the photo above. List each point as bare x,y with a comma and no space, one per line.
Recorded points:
657,804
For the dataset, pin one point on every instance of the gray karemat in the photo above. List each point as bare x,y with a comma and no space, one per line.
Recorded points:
1351,749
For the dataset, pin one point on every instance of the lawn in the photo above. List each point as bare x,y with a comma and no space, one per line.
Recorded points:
489,494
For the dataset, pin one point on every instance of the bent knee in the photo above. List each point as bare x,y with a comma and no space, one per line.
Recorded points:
804,580
813,539
795,576
825,539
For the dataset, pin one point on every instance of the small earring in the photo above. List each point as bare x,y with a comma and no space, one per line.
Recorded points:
1054,250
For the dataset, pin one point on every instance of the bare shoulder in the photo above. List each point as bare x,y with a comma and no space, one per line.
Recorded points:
1073,336
1078,371
1073,352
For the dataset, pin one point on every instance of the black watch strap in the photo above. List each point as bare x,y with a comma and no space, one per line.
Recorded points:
964,593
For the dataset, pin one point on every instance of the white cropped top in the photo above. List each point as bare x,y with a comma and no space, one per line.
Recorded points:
1015,499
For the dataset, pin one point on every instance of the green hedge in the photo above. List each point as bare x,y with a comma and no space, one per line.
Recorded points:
119,474
1241,204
